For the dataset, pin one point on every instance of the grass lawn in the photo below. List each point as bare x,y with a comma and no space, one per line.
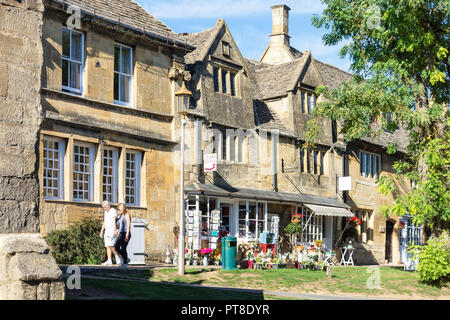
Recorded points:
345,280
123,289
394,282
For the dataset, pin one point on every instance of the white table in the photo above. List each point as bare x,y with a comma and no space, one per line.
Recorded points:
349,260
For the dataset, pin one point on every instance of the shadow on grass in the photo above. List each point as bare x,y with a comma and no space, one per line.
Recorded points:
124,289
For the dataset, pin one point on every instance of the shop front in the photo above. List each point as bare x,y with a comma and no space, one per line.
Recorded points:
247,213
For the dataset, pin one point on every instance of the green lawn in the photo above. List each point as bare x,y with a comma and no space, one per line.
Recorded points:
346,280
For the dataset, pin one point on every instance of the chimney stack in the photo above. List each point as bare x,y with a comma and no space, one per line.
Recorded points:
280,25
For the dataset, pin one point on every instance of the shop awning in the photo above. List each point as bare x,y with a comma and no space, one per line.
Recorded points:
329,211
266,195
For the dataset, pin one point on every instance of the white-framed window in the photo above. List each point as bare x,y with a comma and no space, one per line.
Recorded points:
53,164
312,225
110,171
132,177
83,171
72,60
252,220
123,74
369,164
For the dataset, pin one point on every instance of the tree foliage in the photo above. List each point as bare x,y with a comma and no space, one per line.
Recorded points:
400,58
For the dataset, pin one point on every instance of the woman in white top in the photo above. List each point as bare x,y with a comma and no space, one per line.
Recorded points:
124,231
110,233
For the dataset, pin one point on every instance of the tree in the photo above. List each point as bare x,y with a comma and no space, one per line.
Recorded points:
400,59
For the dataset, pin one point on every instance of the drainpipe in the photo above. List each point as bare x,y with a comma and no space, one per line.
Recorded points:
344,165
274,162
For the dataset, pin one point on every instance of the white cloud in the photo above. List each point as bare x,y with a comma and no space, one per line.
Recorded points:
191,9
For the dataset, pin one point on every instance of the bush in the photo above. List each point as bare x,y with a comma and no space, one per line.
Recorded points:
434,261
79,244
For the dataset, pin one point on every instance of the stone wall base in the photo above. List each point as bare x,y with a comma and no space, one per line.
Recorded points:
27,269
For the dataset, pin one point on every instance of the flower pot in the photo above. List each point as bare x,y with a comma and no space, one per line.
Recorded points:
275,266
205,261
195,262
188,262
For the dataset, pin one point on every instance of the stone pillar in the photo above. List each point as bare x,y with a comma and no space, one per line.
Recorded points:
27,270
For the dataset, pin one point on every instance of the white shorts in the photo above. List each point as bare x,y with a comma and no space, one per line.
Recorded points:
110,240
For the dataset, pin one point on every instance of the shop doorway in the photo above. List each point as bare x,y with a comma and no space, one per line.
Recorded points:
389,233
225,213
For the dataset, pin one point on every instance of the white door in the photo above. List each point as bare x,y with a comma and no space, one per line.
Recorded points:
136,246
273,220
328,233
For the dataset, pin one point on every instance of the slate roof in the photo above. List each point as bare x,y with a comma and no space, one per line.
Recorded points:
331,75
266,119
272,81
130,14
201,41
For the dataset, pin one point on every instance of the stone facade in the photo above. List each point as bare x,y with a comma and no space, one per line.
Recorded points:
131,145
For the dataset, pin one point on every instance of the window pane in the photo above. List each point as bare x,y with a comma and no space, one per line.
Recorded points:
232,84
116,58
65,73
124,88
216,79
66,43
302,159
116,86
76,49
75,76
126,60
224,81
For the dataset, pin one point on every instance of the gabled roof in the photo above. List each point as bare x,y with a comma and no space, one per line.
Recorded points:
271,81
130,15
266,119
204,40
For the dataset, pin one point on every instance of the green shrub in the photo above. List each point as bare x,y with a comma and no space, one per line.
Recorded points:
434,261
79,244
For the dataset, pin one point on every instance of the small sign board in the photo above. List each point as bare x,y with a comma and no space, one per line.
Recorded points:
345,183
210,162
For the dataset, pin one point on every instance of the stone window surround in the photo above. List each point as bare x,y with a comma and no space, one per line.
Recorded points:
308,161
229,153
360,158
89,173
131,75
303,101
61,155
99,145
229,70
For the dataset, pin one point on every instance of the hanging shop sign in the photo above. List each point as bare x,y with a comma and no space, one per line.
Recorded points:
345,183
210,162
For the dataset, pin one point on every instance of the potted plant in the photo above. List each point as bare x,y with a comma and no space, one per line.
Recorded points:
195,259
275,263
293,229
187,257
205,253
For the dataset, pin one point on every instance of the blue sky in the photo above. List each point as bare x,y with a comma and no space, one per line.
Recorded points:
250,22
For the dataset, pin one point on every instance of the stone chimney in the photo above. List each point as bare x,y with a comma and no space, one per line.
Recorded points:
279,49
280,25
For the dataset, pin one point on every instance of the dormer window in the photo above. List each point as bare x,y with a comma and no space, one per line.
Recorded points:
226,48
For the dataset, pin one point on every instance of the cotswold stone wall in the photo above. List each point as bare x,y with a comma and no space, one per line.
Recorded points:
20,79
27,270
